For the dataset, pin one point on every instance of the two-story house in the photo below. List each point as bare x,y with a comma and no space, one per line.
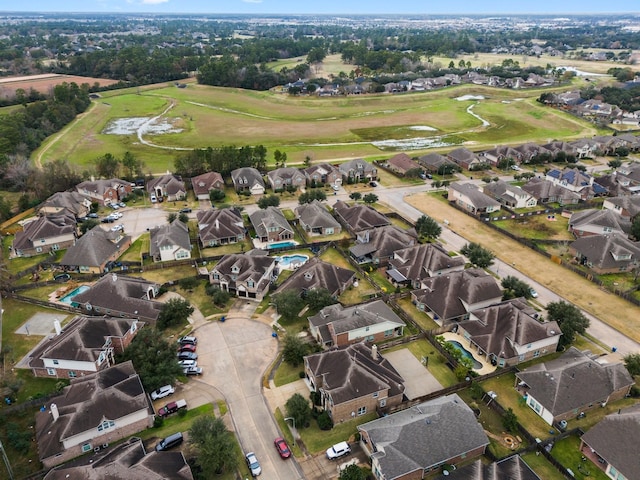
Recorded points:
203,184
170,242
286,177
246,275
411,265
323,174
271,225
105,191
509,195
93,250
170,187
45,234
358,170
315,219
220,227
248,179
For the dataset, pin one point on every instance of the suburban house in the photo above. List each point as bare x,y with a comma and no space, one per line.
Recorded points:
271,225
436,163
248,179
468,197
336,325
323,174
411,265
576,181
627,206
315,219
377,245
121,296
105,191
509,195
316,274
93,250
528,151
170,187
500,153
558,147
513,467
617,185
220,227
203,184
126,460
359,217
451,297
571,384
353,380
545,192
286,177
509,333
95,410
612,444
246,275
401,164
45,234
609,253
411,443
598,222
584,147
358,170
86,345
170,242
75,203
464,158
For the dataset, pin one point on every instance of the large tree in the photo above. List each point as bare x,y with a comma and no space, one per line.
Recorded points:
153,358
288,304
318,298
570,320
174,312
294,350
514,287
215,446
298,408
632,363
478,255
428,227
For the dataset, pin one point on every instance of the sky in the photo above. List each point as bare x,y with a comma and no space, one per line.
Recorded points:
325,6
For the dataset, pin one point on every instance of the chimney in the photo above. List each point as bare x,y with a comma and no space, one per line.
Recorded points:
217,224
374,352
54,411
114,277
56,325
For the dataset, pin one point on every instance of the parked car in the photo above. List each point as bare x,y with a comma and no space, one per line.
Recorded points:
282,447
185,210
192,370
162,392
336,187
188,340
172,407
169,442
115,206
253,464
153,199
188,363
515,167
338,450
108,220
373,184
122,204
533,293
93,215
187,356
188,348
117,228
116,215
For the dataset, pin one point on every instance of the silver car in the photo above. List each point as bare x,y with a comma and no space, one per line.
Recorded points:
253,464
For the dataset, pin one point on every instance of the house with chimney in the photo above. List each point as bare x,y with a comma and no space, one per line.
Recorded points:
248,179
315,219
220,227
75,203
286,177
247,275
323,174
411,265
170,187
170,242
358,170
271,225
317,274
377,245
93,250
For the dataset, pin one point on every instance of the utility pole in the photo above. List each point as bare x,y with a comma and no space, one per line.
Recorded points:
6,461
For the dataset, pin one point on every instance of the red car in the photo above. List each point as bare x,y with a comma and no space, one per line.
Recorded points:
188,348
282,447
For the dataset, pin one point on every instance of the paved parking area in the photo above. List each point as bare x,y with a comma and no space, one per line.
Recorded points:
418,380
40,323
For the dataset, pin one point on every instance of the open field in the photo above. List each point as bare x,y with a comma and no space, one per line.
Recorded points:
322,128
44,83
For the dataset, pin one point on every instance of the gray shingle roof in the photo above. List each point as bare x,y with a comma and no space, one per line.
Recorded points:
270,217
478,199
345,319
616,438
424,436
382,241
247,267
316,215
360,217
599,218
74,202
247,176
511,468
607,251
174,234
573,380
48,226
318,274
216,224
421,261
202,184
169,184
93,248
542,189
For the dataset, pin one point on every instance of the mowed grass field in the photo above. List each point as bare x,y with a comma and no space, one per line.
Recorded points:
334,128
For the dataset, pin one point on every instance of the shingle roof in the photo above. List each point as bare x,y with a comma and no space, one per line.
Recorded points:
600,218
215,224
101,185
449,295
360,217
424,436
93,248
608,251
270,217
351,372
248,176
321,169
316,274
357,164
382,241
420,261
435,161
53,225
573,380
170,184
110,394
403,162
630,203
122,294
202,184
616,438
503,329
247,267
316,215
174,234
285,173
541,189
474,195
72,201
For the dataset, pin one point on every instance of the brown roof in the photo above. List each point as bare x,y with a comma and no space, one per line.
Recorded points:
94,248
316,274
202,184
359,217
53,225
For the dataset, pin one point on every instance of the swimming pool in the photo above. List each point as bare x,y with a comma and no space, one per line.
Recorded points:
67,298
465,353
281,245
292,261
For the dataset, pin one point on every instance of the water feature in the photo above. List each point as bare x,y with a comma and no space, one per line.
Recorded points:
67,298
466,353
292,261
281,245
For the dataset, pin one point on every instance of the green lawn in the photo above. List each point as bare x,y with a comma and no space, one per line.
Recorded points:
436,363
421,318
286,374
567,452
317,440
541,466
538,227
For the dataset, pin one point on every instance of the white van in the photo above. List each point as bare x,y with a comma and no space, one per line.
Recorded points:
338,450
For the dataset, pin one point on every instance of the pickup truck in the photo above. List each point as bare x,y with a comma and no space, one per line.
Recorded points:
172,407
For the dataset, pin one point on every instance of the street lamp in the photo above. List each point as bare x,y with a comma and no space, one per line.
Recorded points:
293,432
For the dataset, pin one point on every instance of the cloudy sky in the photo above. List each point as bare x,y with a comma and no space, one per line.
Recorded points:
326,6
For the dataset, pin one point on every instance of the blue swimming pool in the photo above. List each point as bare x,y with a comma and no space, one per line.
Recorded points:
281,245
466,353
292,261
67,298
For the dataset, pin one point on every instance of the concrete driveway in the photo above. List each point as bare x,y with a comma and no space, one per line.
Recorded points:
418,380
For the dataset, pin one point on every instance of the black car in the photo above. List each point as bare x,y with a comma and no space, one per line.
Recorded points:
373,184
108,220
185,210
187,356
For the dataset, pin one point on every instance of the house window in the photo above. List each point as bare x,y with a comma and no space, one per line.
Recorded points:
39,249
362,411
250,284
55,247
86,447
182,254
383,402
216,276
370,338
375,394
536,354
72,374
51,371
388,333
56,362
106,425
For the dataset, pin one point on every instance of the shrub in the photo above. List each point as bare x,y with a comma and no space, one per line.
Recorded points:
324,421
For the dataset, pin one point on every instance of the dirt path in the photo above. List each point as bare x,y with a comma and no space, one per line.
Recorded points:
611,309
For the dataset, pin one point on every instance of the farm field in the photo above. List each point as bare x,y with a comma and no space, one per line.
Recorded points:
321,128
44,83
